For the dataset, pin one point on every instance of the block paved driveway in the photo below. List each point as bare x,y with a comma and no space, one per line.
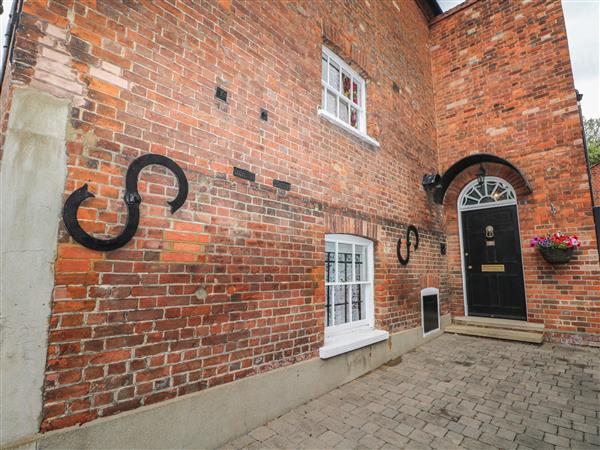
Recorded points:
454,392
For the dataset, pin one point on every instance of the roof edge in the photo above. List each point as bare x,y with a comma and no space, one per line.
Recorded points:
430,8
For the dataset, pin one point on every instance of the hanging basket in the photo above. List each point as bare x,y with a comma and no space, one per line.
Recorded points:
557,255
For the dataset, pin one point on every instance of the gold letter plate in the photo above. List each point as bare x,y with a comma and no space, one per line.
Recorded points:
492,268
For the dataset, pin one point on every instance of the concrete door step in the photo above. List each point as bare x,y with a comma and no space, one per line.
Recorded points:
498,333
506,324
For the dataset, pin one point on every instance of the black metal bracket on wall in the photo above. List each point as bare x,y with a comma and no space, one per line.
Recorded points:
132,200
410,229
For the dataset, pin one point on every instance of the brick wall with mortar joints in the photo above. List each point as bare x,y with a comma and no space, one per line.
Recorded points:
503,85
232,284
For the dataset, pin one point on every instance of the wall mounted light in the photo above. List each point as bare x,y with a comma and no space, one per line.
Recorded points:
480,175
431,180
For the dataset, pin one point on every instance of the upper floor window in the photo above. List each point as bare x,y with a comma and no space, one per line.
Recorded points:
343,91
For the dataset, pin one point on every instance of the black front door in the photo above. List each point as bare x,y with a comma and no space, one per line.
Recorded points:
493,264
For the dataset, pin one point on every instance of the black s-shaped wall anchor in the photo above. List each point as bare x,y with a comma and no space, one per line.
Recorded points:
413,229
131,198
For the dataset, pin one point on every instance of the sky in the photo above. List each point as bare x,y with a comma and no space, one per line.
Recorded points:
583,32
582,18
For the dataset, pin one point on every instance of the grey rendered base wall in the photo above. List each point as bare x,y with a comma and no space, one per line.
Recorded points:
32,180
212,417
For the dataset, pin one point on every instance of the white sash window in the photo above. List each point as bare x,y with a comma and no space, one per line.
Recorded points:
349,308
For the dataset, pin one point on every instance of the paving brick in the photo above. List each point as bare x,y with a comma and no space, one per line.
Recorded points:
473,423
472,444
587,428
506,434
497,441
471,432
347,444
543,426
454,437
278,442
435,430
420,436
592,439
392,437
330,438
556,440
439,427
456,427
370,441
571,434
532,442
404,429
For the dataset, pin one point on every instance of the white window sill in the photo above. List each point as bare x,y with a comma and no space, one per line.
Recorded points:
351,339
359,134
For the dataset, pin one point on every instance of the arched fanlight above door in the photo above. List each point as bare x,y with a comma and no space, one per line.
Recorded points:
492,192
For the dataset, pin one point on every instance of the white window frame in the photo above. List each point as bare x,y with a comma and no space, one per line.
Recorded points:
361,130
468,191
354,334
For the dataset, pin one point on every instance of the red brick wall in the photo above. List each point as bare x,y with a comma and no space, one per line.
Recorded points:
596,182
232,284
503,85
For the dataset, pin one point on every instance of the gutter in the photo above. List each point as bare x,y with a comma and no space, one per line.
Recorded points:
430,8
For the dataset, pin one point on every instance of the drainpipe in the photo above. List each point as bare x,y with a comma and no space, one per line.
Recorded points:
595,209
7,39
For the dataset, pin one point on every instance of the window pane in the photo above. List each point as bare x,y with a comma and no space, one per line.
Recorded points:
345,262
344,111
329,262
354,118
324,69
346,84
332,103
355,92
341,305
360,259
328,305
334,76
358,302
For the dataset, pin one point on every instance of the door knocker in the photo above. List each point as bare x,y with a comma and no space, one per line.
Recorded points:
132,200
489,232
413,229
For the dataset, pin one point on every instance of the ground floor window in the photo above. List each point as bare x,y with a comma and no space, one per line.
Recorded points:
349,305
348,280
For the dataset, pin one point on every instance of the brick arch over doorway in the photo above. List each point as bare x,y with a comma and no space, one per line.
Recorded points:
477,159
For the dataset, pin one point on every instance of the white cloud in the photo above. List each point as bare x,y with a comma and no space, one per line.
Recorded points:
582,18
